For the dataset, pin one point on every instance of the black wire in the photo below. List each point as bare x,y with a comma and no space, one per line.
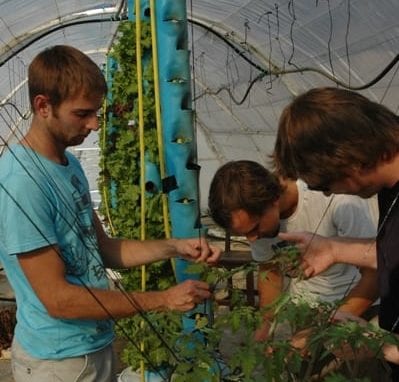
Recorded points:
280,72
291,11
117,18
278,34
389,84
227,89
240,52
330,38
348,21
23,116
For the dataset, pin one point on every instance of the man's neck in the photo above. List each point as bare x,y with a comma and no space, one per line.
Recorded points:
388,172
288,201
38,140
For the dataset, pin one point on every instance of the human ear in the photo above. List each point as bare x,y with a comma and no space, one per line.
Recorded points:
41,105
364,169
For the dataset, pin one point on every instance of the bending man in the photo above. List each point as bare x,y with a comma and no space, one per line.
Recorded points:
248,200
340,142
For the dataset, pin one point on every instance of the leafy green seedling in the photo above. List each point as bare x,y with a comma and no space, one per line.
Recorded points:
287,258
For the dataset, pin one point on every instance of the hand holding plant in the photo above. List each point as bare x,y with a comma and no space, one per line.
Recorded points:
186,295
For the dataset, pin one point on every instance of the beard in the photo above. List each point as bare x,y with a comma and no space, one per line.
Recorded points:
271,234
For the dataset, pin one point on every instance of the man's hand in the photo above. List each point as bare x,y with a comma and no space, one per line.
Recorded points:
316,250
342,316
198,250
300,341
185,296
262,333
345,351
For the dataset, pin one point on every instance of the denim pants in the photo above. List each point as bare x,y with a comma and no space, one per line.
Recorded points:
93,367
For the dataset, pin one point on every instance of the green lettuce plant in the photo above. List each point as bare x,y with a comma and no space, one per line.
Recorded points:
119,183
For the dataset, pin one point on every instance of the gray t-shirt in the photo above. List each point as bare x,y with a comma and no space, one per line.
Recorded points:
336,215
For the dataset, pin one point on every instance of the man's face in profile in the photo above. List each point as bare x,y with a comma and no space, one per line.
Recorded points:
255,227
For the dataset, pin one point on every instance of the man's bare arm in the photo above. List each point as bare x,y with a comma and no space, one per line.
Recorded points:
319,253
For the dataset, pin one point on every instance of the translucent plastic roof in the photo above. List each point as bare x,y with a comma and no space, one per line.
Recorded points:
249,57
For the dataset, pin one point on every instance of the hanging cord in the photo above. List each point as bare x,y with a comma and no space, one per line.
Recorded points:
194,92
330,36
161,154
63,26
142,154
104,188
206,305
279,72
291,12
12,130
23,116
141,117
119,15
348,23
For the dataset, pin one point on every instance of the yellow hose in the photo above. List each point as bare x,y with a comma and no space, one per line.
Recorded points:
104,189
162,167
142,148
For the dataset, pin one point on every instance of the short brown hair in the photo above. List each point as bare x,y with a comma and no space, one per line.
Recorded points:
325,131
241,184
61,72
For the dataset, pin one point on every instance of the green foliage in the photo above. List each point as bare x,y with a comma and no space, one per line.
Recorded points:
340,378
156,332
120,156
276,359
120,185
120,159
287,258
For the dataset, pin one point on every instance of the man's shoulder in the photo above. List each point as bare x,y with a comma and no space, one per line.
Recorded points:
11,165
16,156
18,171
351,200
311,197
